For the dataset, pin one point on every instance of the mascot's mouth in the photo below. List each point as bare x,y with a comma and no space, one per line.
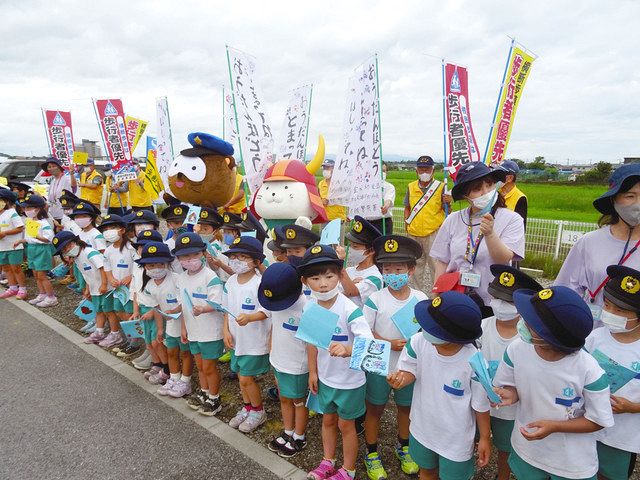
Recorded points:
180,183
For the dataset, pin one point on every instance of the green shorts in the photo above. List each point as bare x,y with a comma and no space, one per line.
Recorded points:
501,433
348,403
175,342
613,463
447,469
150,330
102,304
379,390
11,257
292,386
209,350
249,365
522,469
40,257
119,307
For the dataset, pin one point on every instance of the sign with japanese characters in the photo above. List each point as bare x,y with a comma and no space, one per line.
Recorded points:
516,76
135,130
255,138
111,121
229,128
462,142
293,135
59,135
152,181
164,146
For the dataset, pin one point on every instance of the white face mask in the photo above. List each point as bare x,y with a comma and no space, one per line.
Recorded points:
616,323
157,273
357,256
486,201
384,176
326,296
83,222
111,236
141,227
326,174
239,266
73,252
433,340
206,237
424,177
629,213
503,310
31,213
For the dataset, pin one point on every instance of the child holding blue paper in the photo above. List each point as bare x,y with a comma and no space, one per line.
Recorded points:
560,392
397,256
498,331
208,228
202,324
616,346
340,390
84,215
247,335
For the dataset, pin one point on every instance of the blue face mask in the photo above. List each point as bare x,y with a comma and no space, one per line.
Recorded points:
228,238
396,281
179,230
523,331
433,340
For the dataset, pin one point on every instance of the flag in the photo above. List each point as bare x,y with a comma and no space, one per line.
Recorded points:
111,121
164,143
295,125
152,181
135,130
59,135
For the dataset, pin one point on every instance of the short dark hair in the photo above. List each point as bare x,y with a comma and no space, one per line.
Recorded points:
319,269
408,263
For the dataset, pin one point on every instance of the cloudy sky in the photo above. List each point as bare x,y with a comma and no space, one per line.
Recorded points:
581,102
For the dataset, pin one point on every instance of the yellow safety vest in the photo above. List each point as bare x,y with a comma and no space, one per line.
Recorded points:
430,217
333,211
239,206
511,198
90,195
114,201
138,196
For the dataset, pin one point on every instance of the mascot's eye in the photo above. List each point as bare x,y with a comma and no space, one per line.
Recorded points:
286,187
191,167
267,188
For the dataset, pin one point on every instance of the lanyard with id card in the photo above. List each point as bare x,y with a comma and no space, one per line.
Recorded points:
469,278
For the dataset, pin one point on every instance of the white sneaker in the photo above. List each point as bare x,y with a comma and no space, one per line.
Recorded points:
38,299
47,302
253,421
144,364
240,417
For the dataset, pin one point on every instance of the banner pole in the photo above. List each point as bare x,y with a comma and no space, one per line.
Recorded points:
169,124
306,138
384,221
495,112
224,135
444,138
235,114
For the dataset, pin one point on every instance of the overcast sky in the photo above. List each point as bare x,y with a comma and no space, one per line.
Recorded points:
581,102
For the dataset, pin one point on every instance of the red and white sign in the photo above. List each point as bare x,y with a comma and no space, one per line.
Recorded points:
59,135
112,125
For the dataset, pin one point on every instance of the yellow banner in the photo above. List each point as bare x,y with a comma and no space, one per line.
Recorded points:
135,129
516,76
152,181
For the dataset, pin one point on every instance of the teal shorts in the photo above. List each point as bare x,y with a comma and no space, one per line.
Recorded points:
292,386
348,403
249,365
210,350
379,390
102,304
522,469
613,463
501,433
11,257
150,328
175,342
39,256
119,307
447,469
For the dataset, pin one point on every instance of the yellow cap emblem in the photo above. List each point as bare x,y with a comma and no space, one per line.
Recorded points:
507,279
290,233
226,218
146,233
204,214
152,249
357,227
80,205
177,211
391,246
268,293
545,294
140,213
63,201
197,140
316,249
630,284
185,240
55,241
435,303
237,240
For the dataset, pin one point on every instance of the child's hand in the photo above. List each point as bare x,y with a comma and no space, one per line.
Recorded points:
484,451
622,405
2,235
126,281
183,336
397,379
543,428
228,340
243,319
398,344
147,316
212,261
339,350
15,245
508,395
313,383
341,252
198,310
86,294
357,280
103,289
160,336
115,283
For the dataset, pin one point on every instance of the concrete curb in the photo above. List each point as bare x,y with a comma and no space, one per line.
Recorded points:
224,432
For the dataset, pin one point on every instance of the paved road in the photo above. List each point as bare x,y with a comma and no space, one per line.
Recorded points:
63,414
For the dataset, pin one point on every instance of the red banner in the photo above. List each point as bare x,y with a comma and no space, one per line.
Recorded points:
60,135
114,132
463,147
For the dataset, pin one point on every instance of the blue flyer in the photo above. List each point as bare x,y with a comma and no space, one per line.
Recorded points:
405,319
479,366
317,326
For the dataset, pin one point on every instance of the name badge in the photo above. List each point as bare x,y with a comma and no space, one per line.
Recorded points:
469,279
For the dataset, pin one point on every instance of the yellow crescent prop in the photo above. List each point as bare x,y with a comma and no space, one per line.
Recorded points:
316,161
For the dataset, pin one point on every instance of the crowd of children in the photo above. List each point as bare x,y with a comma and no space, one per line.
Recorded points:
569,394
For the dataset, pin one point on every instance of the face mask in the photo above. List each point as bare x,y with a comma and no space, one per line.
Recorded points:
67,211
326,296
523,331
503,310
485,202
239,266
396,281
384,176
192,265
206,237
3,204
424,177
74,252
433,340
141,227
179,230
326,174
83,222
31,213
357,256
111,236
629,213
228,238
157,273
616,323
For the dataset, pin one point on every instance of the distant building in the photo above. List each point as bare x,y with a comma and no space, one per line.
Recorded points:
90,147
631,160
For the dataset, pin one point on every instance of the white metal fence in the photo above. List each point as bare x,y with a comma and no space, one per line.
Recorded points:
553,238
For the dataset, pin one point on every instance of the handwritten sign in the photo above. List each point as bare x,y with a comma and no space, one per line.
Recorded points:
370,355
293,135
164,145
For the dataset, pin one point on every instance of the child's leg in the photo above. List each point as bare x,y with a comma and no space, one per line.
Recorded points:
330,435
19,275
210,370
173,359
161,351
288,414
204,385
46,284
11,277
101,319
349,443
301,416
504,470
428,474
252,390
372,425
187,363
114,321
38,279
403,422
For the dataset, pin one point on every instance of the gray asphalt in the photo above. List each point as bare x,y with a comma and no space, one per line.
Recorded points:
63,414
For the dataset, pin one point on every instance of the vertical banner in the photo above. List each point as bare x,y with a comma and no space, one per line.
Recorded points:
135,130
164,149
295,126
515,77
229,126
463,147
110,114
59,135
255,139
152,181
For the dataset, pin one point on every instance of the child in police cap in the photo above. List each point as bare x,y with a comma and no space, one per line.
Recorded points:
246,329
208,227
397,256
448,402
560,392
280,294
340,390
11,229
498,331
616,346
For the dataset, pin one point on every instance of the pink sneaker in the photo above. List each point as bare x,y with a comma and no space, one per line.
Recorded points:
47,302
159,378
152,371
22,294
39,298
95,337
164,389
180,389
9,292
322,471
341,475
114,338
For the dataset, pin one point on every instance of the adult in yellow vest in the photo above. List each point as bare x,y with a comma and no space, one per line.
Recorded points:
423,215
91,184
513,196
117,196
333,211
138,197
238,203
